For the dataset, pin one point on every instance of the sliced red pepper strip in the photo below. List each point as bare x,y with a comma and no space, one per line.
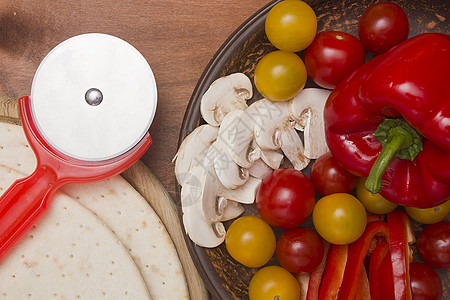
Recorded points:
363,289
356,254
315,277
399,235
386,279
381,251
334,272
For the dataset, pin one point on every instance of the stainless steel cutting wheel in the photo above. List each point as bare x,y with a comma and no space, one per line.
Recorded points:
93,97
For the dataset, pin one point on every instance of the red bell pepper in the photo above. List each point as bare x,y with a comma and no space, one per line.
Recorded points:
400,235
376,275
356,254
363,289
386,279
390,121
334,272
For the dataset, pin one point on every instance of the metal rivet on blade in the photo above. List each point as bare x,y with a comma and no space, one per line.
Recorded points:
93,96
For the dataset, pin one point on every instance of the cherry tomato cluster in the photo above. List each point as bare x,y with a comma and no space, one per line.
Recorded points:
287,198
329,56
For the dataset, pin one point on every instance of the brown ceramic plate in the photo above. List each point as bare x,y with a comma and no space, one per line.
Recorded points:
224,277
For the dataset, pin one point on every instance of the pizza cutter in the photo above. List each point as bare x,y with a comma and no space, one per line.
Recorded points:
92,101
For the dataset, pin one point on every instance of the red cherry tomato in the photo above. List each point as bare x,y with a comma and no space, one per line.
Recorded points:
285,198
382,26
332,56
299,250
425,282
433,245
329,177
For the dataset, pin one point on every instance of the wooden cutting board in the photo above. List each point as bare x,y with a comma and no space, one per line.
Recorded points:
146,183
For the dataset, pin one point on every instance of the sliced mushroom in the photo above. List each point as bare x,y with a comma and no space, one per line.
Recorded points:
232,210
274,129
273,118
260,169
303,281
272,158
236,131
245,194
292,147
225,94
219,203
202,232
307,110
212,204
229,173
213,197
193,150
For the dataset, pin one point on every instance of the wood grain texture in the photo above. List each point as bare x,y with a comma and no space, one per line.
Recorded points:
178,39
9,110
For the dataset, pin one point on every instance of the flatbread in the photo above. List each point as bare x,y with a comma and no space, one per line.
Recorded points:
140,229
123,209
68,254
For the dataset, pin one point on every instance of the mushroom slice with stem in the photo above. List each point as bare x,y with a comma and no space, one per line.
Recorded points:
225,94
307,110
204,212
215,201
216,197
219,203
274,129
202,232
223,210
292,147
273,118
193,150
213,204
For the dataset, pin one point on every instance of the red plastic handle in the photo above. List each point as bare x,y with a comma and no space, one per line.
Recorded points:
22,205
27,199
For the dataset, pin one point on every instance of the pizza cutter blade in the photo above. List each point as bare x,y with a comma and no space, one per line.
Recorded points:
92,101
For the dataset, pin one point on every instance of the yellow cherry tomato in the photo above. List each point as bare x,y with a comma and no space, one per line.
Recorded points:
280,75
374,203
291,25
273,281
339,218
250,241
429,215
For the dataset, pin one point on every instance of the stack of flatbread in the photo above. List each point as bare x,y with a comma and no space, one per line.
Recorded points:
97,241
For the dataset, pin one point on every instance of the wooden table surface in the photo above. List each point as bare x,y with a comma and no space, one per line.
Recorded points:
178,39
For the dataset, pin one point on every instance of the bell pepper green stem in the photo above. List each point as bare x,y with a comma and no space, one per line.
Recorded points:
373,182
397,139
